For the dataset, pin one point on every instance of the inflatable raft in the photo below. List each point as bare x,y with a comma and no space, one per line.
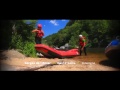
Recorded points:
48,51
113,52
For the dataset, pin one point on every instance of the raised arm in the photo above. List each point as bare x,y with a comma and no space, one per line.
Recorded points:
35,30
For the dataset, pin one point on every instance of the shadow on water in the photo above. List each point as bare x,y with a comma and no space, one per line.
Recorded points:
110,62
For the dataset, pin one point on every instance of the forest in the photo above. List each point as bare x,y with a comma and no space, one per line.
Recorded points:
98,33
16,34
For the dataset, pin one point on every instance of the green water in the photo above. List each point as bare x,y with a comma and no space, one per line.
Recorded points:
96,50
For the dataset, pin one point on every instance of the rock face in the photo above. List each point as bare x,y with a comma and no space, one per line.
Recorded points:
9,54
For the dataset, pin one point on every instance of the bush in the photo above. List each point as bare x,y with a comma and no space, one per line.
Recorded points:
29,50
16,42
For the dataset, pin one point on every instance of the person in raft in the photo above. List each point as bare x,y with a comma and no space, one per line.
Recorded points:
39,35
82,45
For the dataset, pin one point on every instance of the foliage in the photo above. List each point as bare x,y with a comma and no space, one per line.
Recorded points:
17,34
98,33
29,49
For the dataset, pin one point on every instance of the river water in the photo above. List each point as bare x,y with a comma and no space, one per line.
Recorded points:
97,55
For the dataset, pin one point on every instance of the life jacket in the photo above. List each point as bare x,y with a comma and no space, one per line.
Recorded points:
40,33
81,42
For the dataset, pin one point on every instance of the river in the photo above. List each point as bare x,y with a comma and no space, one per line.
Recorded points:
97,55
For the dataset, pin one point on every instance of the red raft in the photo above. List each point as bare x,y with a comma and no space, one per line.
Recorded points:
48,51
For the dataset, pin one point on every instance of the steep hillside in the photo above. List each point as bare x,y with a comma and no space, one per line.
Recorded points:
97,32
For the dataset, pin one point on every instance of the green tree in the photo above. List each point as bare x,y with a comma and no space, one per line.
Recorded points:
72,42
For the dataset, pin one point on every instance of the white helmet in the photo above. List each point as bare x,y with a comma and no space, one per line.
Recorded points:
80,35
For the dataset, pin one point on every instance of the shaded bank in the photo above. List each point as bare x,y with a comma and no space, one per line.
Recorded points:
5,34
2,55
111,62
